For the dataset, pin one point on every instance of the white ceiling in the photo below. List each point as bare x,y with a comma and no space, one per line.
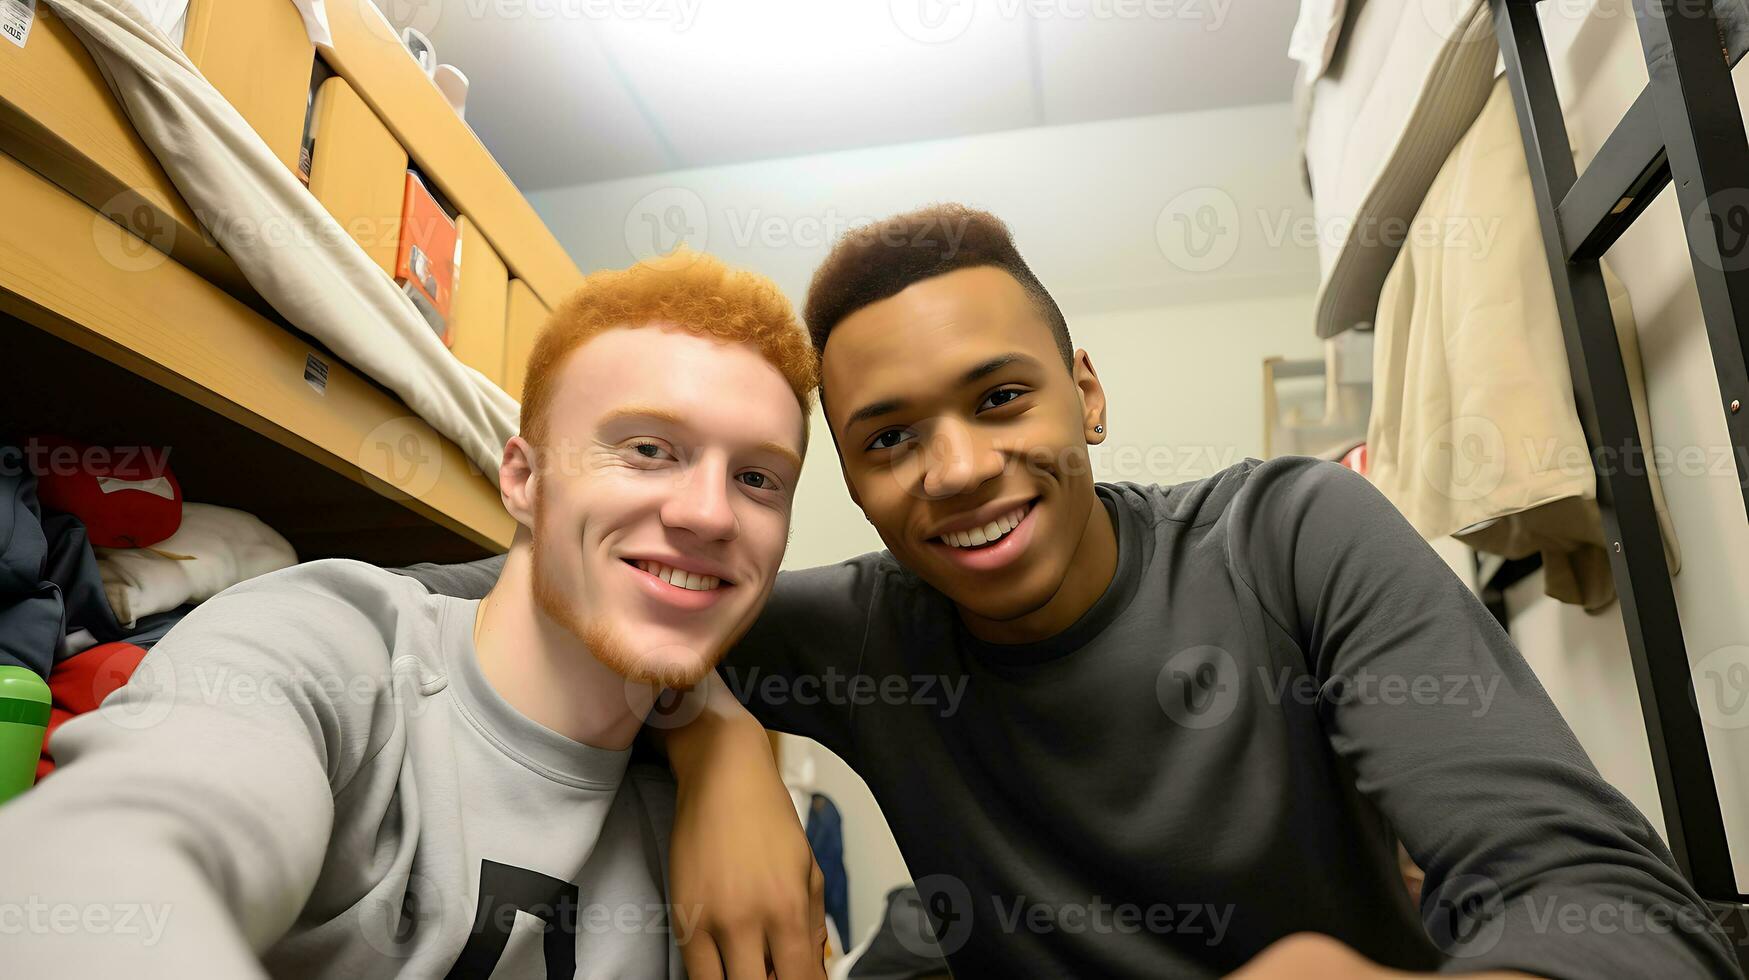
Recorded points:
577,91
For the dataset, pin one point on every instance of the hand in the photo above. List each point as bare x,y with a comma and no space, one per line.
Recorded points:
748,898
1314,956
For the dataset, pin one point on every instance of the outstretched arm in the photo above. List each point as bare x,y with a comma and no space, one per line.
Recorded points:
1534,862
187,821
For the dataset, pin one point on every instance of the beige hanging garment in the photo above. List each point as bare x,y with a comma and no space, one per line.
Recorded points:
1473,430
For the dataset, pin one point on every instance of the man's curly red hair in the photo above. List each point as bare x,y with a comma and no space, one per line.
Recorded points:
684,289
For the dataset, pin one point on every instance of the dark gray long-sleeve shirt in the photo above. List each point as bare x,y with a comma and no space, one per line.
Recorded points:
1281,674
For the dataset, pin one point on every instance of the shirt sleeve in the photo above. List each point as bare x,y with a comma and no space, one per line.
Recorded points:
793,667
187,821
1534,862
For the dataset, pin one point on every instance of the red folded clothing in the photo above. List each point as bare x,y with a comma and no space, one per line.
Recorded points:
80,683
125,496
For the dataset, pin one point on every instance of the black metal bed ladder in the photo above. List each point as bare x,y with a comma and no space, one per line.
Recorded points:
1685,128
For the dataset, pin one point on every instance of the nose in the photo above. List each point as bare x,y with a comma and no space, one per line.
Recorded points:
700,501
956,461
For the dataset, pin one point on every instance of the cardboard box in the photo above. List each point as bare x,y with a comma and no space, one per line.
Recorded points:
425,264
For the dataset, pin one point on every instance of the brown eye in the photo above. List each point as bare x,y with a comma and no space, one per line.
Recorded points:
888,439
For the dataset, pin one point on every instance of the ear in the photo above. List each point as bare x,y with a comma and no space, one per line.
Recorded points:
1092,398
516,480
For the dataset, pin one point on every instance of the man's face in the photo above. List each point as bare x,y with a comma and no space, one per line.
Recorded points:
662,502
952,409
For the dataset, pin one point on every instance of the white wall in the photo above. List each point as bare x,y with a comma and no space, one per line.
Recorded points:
1178,338
1583,660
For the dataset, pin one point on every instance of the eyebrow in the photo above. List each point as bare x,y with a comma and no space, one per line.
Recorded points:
888,406
671,417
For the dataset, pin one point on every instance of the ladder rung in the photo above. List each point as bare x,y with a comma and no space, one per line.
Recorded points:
1627,173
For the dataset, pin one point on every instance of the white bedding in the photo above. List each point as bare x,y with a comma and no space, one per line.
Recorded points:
319,280
1404,82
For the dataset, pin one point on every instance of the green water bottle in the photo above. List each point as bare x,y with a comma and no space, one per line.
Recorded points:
24,720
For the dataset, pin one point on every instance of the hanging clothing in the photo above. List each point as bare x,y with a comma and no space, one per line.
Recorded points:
825,830
1474,431
49,583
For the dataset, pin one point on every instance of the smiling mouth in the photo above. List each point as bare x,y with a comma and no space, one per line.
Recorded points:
989,534
690,581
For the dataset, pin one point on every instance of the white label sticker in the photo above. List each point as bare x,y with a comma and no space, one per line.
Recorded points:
158,486
15,19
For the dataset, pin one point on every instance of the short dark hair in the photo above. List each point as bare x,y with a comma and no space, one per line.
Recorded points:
877,261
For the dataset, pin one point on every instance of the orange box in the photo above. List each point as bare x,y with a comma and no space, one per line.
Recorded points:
425,263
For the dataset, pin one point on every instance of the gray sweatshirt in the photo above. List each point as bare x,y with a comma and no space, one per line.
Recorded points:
310,776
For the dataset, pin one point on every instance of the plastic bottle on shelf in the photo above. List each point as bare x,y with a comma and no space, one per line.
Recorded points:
24,719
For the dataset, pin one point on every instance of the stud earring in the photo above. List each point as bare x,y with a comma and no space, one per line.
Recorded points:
1099,428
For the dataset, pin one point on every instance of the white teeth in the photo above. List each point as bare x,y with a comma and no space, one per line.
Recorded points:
992,531
690,581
